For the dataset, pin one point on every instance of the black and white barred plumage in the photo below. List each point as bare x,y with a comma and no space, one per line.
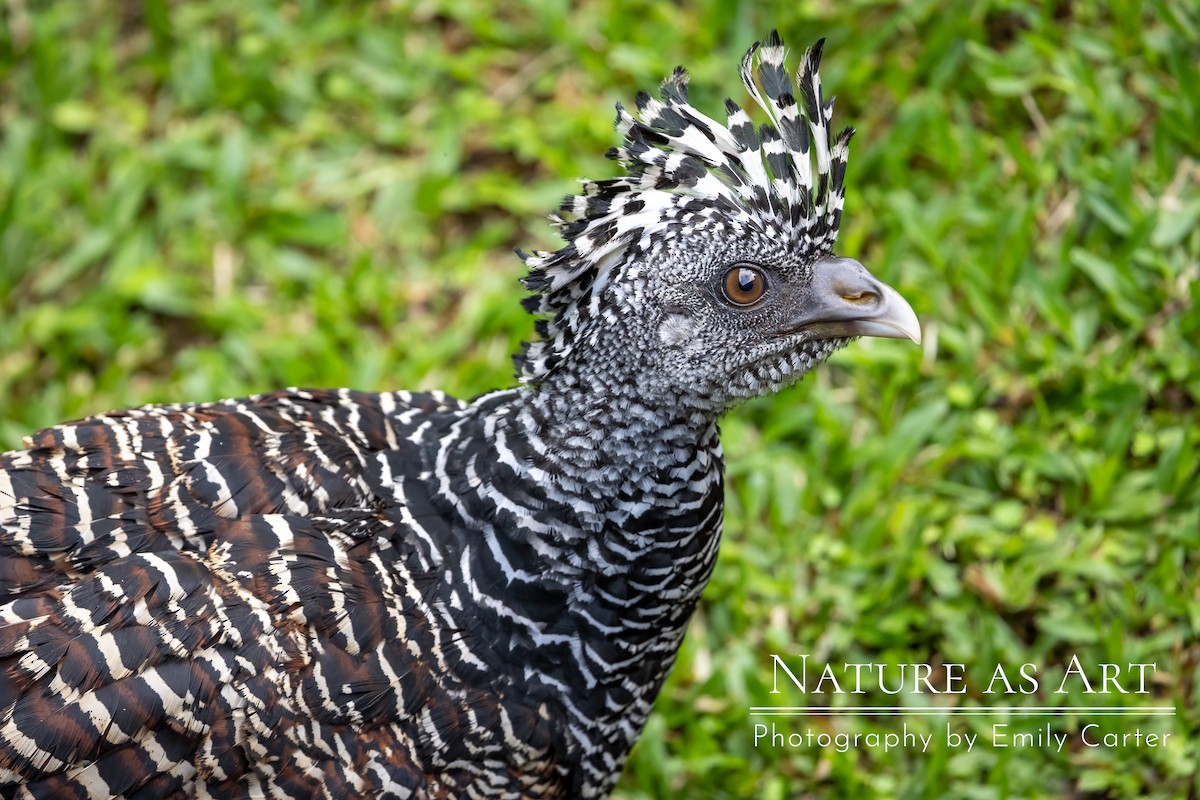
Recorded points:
338,594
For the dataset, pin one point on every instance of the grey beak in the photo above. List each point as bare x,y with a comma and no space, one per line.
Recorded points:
846,300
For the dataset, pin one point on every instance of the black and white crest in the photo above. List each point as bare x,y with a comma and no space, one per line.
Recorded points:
783,178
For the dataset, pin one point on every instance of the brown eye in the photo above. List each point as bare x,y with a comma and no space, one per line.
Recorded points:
744,286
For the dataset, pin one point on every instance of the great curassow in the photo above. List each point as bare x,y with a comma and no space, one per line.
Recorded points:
339,594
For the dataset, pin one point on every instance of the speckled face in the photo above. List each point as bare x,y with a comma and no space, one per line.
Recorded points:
735,306
720,328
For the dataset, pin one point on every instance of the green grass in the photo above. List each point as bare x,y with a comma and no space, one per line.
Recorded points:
202,200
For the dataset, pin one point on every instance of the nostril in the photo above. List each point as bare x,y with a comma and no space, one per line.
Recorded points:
861,298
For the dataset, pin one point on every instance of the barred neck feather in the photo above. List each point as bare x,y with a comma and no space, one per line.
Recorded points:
784,180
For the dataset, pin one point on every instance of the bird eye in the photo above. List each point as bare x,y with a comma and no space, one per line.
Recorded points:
744,285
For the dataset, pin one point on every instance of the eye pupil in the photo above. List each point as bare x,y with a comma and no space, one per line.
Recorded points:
743,286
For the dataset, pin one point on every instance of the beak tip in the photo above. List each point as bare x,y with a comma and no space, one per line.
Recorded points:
899,316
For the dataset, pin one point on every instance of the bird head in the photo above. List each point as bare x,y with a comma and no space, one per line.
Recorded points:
705,274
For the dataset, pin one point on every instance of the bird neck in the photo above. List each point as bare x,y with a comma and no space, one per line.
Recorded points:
584,526
630,495
609,437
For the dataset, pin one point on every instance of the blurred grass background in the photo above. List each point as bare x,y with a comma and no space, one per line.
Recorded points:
207,199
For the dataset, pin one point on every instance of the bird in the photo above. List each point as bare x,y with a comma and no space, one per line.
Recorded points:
334,593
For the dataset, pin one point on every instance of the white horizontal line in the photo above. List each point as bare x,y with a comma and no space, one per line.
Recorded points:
901,710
